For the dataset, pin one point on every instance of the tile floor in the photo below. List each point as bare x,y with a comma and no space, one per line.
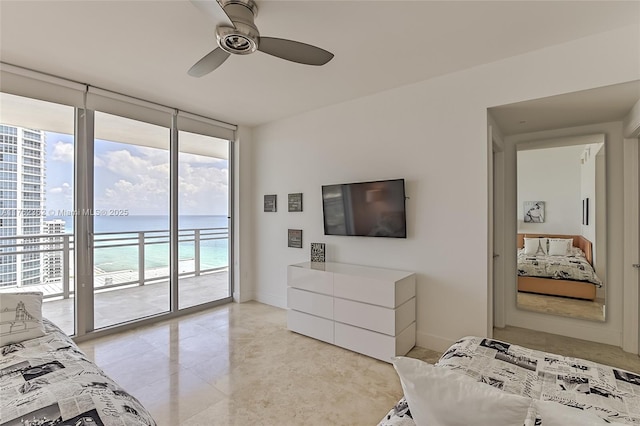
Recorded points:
598,352
238,365
563,306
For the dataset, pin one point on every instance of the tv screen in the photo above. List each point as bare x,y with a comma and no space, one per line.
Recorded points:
367,209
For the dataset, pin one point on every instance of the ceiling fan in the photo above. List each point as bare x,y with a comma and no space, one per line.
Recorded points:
237,34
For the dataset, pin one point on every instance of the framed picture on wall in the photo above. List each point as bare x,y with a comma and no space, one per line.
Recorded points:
295,238
534,211
295,202
317,252
271,203
585,211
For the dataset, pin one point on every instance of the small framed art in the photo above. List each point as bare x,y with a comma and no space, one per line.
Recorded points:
317,252
534,211
271,203
585,211
295,238
295,202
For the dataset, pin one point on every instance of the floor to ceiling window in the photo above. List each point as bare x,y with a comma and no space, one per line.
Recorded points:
36,201
203,211
108,206
130,220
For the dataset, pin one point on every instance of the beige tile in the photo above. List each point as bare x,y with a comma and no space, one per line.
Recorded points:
177,397
237,364
226,412
114,348
592,351
135,371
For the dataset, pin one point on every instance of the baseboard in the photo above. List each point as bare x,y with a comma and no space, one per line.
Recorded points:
593,334
271,299
435,343
242,297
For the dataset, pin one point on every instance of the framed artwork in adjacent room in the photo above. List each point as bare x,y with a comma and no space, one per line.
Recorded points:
533,211
585,211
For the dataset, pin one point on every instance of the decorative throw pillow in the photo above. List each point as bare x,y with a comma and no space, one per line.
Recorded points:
560,246
438,396
20,317
535,246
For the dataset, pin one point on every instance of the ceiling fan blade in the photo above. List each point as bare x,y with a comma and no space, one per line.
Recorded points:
213,10
294,51
208,63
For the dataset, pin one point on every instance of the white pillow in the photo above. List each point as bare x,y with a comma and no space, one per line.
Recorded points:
438,396
560,246
576,251
556,414
535,246
20,317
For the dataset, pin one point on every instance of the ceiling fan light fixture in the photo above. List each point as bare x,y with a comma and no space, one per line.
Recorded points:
236,41
243,38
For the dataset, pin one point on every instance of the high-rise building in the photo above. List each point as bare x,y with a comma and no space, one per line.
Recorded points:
22,202
52,260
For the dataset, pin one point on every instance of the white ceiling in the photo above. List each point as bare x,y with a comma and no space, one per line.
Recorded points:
600,105
144,48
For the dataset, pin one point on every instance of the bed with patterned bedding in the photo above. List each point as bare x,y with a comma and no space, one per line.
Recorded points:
48,381
607,393
556,265
573,266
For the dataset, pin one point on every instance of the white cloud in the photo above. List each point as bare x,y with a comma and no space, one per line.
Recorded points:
65,188
63,152
60,197
142,183
124,163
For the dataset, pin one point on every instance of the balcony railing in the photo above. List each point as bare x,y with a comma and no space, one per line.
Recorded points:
56,252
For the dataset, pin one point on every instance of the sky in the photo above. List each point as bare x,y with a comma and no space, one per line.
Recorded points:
136,179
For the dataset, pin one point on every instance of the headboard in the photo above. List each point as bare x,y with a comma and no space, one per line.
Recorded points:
578,241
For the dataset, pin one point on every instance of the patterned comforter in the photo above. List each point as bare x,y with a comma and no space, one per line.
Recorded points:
610,393
49,381
571,267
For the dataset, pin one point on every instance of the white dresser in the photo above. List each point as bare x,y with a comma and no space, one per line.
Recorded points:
367,310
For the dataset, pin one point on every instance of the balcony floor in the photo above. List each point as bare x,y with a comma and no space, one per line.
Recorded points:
122,304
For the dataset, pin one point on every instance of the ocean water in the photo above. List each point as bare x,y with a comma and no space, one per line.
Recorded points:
213,253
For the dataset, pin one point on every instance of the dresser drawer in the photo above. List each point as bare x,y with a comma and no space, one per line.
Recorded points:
374,291
374,344
310,325
375,318
312,303
310,279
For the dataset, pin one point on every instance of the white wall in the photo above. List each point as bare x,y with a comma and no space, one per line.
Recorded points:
551,175
433,134
243,253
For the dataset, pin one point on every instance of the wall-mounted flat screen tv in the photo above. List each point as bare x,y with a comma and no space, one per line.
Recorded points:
367,209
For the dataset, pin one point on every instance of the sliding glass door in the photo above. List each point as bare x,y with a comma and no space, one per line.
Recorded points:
203,211
130,220
117,209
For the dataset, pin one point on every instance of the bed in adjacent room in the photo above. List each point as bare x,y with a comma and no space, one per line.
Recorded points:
557,265
46,380
484,381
